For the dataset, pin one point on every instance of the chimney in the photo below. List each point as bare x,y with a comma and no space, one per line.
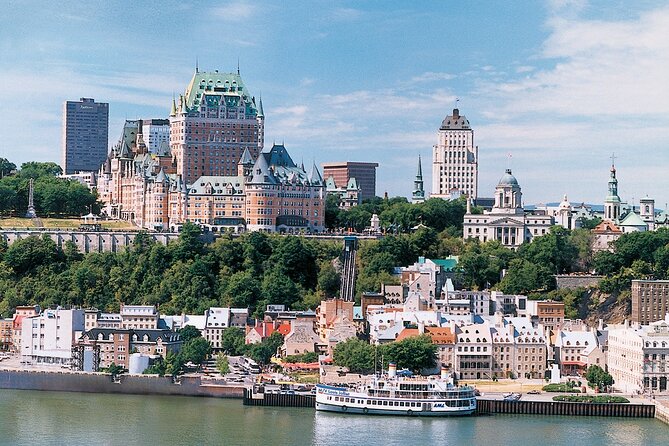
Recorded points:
456,113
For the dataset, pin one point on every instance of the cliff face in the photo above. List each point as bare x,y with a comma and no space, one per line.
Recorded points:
611,308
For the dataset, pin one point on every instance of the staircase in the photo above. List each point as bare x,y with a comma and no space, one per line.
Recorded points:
347,289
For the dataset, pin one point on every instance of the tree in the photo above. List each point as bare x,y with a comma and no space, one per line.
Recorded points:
6,167
262,352
233,341
329,280
598,378
114,369
158,367
34,170
358,356
28,254
222,364
190,244
188,333
414,353
196,350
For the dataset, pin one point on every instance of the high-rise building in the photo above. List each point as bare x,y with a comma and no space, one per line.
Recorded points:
212,124
364,174
455,159
156,135
85,135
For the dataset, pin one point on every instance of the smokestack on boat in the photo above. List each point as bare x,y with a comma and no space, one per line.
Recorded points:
392,370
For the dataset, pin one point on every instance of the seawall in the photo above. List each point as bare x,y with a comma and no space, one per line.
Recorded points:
126,384
565,408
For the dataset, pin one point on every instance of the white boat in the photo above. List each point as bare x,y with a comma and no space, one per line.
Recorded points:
393,395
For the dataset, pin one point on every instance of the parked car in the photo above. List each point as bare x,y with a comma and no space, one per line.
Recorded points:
534,392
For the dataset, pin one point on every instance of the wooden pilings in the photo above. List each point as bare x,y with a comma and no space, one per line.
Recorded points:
278,399
565,408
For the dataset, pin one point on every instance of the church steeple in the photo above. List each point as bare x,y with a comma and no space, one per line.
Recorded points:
612,202
418,195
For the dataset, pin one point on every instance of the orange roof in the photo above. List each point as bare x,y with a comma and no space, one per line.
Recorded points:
607,226
284,328
439,335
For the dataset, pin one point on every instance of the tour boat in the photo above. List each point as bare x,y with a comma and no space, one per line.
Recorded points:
394,395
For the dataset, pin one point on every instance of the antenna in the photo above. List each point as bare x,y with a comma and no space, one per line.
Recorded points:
237,64
197,65
613,159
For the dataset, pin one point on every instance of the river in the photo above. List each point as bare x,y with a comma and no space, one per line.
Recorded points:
60,418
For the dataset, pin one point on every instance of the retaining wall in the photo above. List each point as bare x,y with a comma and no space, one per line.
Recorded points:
127,384
565,408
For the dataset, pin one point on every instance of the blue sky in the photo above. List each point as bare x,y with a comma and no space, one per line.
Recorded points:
557,85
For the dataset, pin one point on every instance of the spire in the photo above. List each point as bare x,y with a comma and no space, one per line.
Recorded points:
418,195
173,111
238,65
419,175
197,66
261,113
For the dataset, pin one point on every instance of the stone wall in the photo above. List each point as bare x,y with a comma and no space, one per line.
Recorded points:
108,241
129,384
569,281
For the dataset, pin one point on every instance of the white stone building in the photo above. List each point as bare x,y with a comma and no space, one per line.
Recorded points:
455,159
637,356
48,338
507,222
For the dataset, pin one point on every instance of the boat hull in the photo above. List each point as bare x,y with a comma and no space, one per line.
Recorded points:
409,412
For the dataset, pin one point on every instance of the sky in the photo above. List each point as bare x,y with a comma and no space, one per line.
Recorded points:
551,88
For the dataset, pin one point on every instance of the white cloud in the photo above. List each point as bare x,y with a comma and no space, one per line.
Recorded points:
431,76
346,14
235,11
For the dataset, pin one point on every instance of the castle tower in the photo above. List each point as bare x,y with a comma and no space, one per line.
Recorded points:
215,121
455,159
612,202
418,195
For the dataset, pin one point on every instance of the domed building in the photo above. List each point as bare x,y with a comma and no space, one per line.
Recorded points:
507,222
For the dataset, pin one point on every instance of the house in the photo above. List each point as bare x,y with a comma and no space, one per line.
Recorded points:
102,347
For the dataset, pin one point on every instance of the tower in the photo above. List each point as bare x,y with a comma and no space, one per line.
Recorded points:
85,135
418,195
612,202
215,121
647,211
455,159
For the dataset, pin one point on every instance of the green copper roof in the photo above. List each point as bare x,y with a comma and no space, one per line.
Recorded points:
448,263
215,88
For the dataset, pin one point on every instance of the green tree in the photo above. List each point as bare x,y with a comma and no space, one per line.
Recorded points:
6,167
222,364
34,170
263,351
190,244
414,353
158,367
233,341
188,333
598,378
196,350
25,255
358,356
329,280
242,290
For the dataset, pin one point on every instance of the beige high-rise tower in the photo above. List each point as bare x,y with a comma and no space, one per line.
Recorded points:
455,159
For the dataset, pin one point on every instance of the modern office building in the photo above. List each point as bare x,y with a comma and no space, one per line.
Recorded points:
364,174
455,159
85,135
214,121
156,135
